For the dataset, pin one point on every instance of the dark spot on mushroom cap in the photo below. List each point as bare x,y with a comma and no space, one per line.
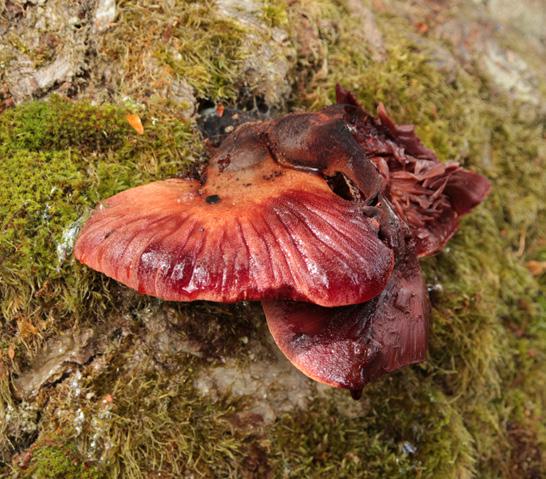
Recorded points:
212,199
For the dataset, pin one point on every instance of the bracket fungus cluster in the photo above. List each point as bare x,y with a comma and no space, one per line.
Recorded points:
321,216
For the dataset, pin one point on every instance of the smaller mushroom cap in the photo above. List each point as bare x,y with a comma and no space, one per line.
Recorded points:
347,347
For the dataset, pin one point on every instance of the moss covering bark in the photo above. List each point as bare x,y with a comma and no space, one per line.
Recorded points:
474,409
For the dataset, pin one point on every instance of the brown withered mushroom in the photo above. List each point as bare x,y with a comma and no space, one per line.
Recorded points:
321,216
428,195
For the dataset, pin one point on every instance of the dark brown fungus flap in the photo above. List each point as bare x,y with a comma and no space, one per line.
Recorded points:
322,141
347,347
430,196
254,230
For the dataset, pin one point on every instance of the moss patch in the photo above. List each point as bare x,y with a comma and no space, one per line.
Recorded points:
136,420
185,40
59,125
59,158
54,461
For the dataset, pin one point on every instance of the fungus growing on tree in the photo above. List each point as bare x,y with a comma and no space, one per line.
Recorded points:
320,215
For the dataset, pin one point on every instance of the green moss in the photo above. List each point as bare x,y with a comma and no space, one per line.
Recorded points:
40,195
141,421
59,158
159,425
59,124
190,40
58,462
274,13
208,52
412,432
15,42
6,56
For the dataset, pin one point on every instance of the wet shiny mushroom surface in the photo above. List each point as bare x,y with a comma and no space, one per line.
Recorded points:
320,215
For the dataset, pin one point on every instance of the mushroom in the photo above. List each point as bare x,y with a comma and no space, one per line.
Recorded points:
349,346
252,230
321,216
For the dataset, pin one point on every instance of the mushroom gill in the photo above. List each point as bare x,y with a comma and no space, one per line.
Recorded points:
428,195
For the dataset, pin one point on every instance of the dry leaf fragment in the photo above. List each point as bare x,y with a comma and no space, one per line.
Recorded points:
537,268
134,121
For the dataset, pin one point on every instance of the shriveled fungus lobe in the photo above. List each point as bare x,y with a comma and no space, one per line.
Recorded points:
430,196
350,346
253,231
309,213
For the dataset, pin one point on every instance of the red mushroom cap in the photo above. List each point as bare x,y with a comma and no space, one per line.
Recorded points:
349,346
254,230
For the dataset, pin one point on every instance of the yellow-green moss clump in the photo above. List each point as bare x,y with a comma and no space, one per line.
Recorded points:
474,409
59,159
157,43
54,461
